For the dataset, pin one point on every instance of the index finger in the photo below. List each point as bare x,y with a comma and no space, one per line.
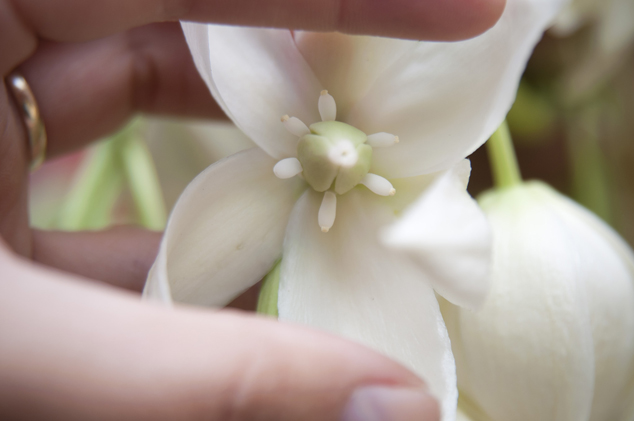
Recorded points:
80,20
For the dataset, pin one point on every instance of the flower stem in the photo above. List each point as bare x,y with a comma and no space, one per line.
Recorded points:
96,188
267,301
592,183
506,172
143,180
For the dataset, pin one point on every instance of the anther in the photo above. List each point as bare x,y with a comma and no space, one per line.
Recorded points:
327,211
287,168
327,107
378,185
381,140
295,126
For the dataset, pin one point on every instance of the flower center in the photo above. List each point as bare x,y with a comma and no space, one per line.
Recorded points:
343,154
333,157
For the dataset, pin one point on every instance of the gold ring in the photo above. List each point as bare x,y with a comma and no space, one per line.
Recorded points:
31,116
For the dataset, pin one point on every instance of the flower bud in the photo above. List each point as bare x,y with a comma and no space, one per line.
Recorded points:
554,340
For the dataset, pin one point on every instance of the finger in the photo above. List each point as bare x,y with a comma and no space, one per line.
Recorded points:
87,90
14,176
78,20
87,351
419,19
120,256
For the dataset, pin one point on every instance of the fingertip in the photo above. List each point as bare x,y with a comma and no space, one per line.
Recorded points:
380,403
286,372
449,20
474,17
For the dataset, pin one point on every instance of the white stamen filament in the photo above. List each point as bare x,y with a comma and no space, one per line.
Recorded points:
381,140
327,107
287,168
343,154
378,185
295,126
327,211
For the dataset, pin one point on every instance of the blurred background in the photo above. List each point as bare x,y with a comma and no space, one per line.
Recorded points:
572,125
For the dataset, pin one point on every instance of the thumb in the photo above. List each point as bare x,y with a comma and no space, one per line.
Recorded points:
79,350
249,368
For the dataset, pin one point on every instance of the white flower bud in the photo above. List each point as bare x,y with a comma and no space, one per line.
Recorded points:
554,340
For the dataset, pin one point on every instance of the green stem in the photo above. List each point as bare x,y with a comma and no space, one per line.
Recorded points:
506,172
143,181
95,191
267,301
591,181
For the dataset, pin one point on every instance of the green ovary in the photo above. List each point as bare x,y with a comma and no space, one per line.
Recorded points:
323,155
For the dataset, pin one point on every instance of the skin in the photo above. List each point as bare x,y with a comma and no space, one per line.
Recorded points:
73,348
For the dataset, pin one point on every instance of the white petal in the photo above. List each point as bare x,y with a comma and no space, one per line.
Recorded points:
607,264
345,282
260,75
409,189
444,100
626,412
200,143
447,234
197,37
157,286
226,230
532,341
347,66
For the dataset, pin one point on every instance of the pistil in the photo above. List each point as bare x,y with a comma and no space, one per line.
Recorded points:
333,157
343,154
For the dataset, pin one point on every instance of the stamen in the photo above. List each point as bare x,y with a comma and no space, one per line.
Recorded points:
344,154
295,126
327,107
287,168
381,140
378,185
327,211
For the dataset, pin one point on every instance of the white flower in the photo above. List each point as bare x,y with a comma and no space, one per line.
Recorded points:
199,144
554,340
442,100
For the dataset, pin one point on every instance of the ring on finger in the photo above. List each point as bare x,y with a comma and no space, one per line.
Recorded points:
31,116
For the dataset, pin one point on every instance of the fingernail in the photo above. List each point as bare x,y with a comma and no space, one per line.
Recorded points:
381,403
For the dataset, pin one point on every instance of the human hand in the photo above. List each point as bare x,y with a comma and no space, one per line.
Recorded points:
72,350
91,67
